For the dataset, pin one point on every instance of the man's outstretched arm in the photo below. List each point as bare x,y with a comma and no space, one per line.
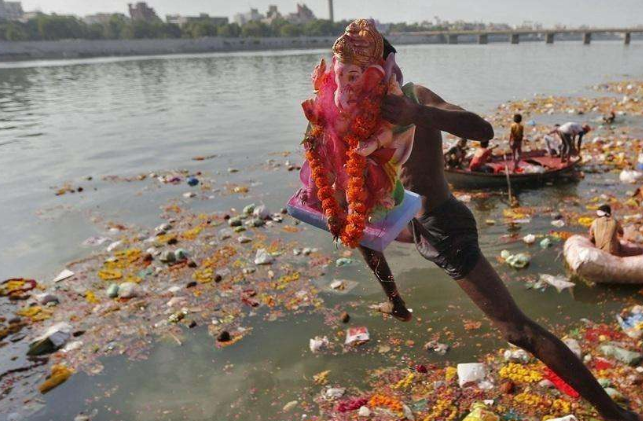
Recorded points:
435,113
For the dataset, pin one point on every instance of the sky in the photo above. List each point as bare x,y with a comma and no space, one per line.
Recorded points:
602,13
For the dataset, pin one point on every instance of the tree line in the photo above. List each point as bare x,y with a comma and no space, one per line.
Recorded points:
57,27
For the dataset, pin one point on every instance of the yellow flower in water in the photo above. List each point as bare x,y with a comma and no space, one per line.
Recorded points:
520,374
91,297
442,410
450,373
59,375
585,221
192,234
405,382
321,378
110,274
129,255
35,313
560,406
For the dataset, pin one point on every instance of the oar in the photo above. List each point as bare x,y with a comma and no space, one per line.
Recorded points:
511,198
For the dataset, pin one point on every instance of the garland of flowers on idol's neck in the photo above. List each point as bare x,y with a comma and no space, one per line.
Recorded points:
363,126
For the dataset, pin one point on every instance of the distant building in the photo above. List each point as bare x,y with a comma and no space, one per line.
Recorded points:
302,15
272,15
100,18
141,11
251,16
184,20
27,16
11,10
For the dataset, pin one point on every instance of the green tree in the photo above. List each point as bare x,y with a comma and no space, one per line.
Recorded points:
14,32
95,31
290,30
255,29
55,27
167,30
319,27
200,29
115,28
230,30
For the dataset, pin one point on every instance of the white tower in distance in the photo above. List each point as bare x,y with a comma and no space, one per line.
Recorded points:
331,12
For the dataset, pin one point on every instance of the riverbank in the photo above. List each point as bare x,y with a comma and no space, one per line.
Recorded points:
64,49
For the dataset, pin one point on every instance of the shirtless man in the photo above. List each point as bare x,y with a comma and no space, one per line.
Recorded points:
445,233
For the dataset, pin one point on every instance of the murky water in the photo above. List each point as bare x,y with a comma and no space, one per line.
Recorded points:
65,121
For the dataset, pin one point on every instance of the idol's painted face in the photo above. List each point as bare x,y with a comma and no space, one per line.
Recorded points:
350,85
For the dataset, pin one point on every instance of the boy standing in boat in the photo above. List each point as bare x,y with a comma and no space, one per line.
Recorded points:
445,233
516,136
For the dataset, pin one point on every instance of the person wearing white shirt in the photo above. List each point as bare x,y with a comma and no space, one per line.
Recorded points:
571,134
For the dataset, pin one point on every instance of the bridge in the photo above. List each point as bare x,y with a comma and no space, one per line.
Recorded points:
514,35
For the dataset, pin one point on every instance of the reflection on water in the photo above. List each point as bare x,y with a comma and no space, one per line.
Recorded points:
64,121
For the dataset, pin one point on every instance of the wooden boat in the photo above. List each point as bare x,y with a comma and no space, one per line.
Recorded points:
595,265
552,169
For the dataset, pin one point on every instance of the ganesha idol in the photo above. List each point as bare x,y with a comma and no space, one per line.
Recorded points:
353,156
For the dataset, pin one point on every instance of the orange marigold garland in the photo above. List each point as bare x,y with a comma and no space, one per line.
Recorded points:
362,128
325,192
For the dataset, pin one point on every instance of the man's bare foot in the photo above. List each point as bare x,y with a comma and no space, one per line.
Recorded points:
400,312
395,308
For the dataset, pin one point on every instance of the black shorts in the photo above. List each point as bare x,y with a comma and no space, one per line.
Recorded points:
448,237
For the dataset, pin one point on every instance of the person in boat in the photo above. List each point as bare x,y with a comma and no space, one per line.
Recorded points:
445,233
454,157
609,119
605,232
571,134
552,144
481,158
516,136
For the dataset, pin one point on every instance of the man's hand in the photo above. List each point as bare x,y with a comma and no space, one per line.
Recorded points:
400,110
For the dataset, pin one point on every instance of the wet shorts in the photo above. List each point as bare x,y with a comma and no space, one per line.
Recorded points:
448,237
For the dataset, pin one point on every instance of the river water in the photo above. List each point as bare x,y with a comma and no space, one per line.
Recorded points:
64,121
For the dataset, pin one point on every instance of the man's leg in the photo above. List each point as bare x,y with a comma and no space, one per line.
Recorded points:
377,262
486,289
579,144
566,147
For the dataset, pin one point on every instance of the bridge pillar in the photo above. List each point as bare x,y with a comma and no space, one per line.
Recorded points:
587,38
452,39
483,39
549,38
515,38
627,38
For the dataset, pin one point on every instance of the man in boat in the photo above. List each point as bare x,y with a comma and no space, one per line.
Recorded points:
609,119
605,231
516,135
481,158
454,157
571,134
446,234
552,145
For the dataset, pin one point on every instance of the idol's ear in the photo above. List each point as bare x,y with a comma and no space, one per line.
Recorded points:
372,76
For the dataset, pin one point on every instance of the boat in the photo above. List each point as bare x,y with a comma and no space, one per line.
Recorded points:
596,266
543,168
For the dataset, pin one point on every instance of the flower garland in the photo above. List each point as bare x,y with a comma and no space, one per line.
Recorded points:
363,126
